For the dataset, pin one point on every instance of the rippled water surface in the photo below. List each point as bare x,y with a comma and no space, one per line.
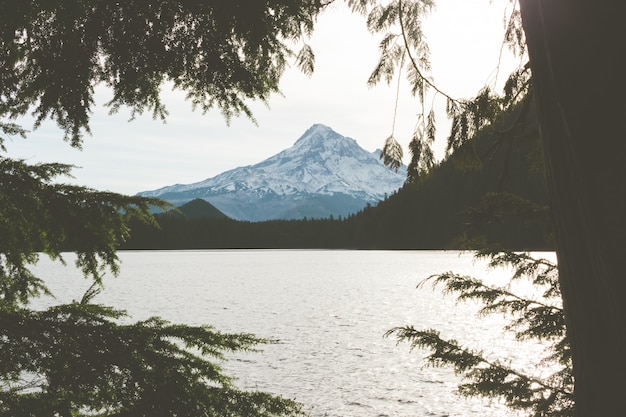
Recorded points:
329,309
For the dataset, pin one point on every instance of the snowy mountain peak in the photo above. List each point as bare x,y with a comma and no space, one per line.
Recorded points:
319,138
317,132
323,173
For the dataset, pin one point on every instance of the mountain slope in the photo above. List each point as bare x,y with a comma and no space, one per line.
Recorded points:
322,174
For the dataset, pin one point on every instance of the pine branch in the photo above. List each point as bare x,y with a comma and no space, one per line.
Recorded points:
306,60
490,378
412,60
392,153
86,362
469,288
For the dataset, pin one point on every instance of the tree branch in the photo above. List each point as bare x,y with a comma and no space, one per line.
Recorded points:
408,50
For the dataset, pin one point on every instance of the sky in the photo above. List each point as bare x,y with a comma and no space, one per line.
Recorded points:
465,38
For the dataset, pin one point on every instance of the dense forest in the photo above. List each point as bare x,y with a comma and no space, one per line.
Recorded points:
464,203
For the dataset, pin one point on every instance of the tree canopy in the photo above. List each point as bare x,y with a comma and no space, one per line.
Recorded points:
221,53
571,75
84,358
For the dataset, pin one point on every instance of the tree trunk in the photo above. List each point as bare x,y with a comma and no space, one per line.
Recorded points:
577,56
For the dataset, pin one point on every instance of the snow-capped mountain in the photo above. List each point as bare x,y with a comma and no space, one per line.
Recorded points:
322,174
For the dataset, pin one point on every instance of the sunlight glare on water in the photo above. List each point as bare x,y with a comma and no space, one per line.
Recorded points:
328,309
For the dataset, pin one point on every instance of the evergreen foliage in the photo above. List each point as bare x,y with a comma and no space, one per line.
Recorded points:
77,359
82,358
220,53
537,319
404,50
506,115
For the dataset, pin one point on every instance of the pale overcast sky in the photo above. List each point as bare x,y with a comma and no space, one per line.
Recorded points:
465,38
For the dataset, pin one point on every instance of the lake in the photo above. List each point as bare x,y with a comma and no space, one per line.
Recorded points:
329,309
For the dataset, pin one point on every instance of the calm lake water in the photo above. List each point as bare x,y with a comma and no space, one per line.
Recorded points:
329,309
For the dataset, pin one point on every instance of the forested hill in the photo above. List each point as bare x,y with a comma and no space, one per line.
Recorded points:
196,209
451,208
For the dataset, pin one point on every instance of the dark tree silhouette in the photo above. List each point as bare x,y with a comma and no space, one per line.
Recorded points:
79,359
575,78
575,49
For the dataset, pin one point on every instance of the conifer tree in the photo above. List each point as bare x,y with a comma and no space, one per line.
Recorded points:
571,74
83,358
538,319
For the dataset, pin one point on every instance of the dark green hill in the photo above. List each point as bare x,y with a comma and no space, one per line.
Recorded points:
198,209
469,197
491,190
